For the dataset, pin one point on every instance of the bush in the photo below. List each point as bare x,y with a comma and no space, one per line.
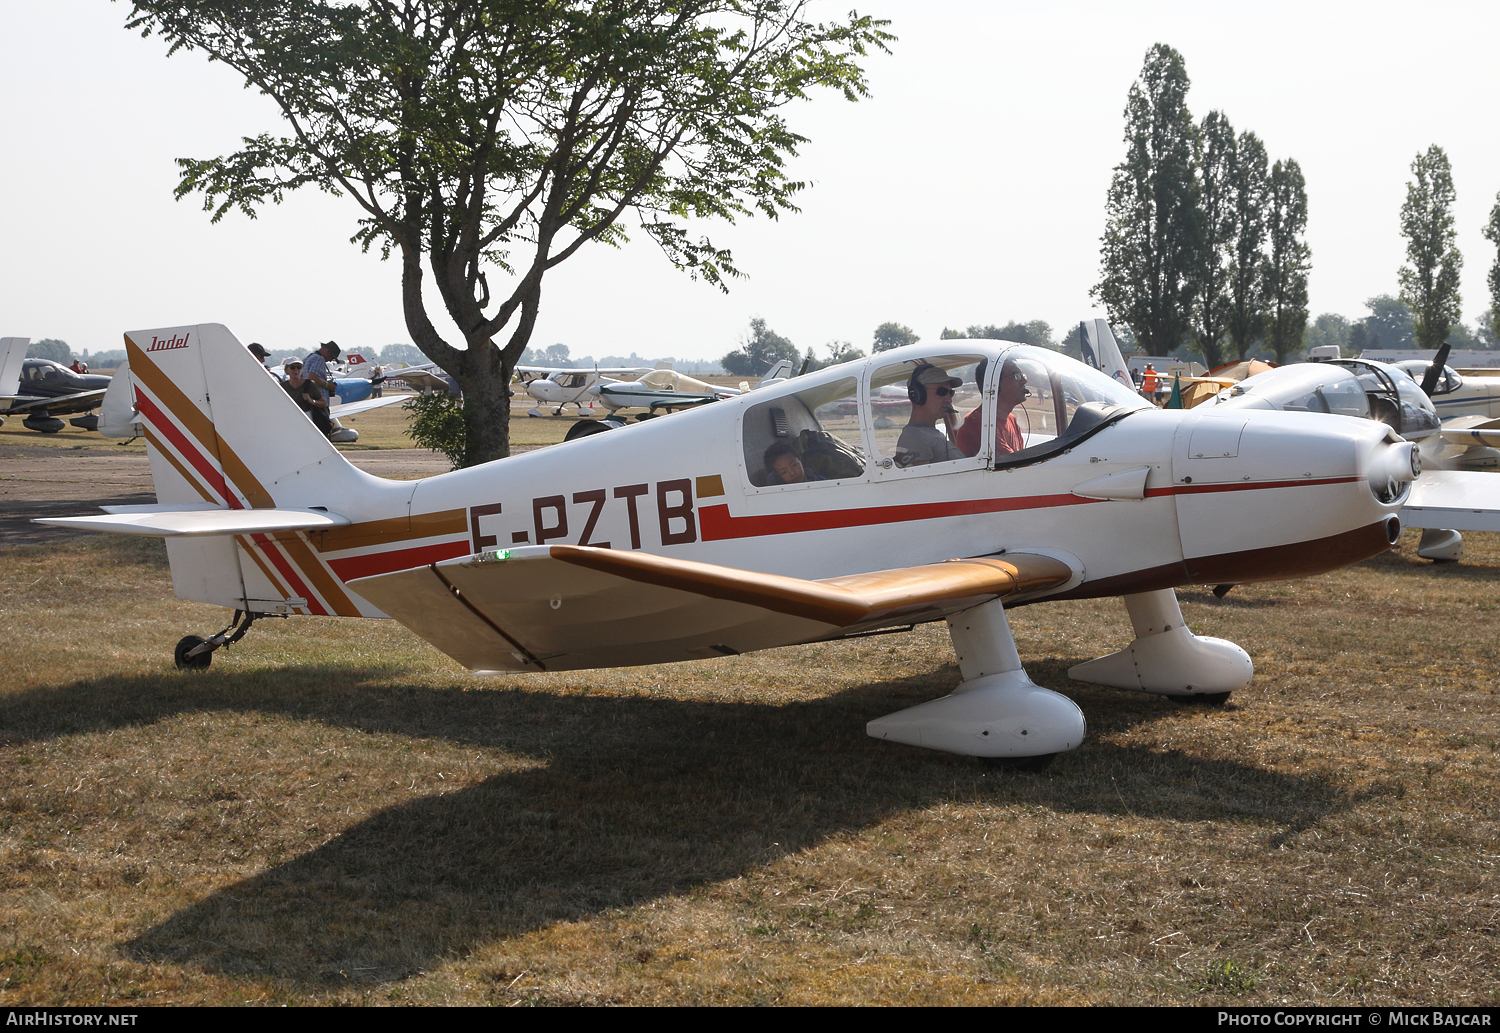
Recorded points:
441,423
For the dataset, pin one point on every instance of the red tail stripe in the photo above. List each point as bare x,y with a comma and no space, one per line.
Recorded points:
290,573
190,452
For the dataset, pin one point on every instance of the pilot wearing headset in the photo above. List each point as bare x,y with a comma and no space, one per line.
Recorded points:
931,392
1011,393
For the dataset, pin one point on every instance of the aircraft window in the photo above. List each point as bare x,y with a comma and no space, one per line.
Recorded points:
1418,417
1046,401
809,436
1343,397
917,408
1448,381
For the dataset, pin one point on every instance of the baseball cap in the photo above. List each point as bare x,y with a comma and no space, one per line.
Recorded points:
937,375
258,352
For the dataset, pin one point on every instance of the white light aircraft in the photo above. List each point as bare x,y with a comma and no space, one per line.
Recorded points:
667,389
560,387
1452,496
698,537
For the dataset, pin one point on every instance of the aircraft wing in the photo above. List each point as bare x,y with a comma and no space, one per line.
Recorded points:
568,607
1459,500
57,405
195,520
369,403
418,379
1472,430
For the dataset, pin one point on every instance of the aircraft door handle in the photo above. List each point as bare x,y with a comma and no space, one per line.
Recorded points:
885,464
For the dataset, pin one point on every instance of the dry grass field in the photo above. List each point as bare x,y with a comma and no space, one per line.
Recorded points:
335,813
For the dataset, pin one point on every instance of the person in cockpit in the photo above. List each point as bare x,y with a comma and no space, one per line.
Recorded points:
931,391
1011,393
785,466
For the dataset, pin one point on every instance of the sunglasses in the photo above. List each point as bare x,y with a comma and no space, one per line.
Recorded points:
942,392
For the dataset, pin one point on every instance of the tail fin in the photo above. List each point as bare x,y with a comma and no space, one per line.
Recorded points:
220,430
1102,351
12,355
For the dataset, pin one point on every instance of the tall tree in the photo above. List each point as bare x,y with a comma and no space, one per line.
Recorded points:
1152,233
892,335
1217,217
1389,324
1429,282
50,348
1288,260
761,349
1492,234
1246,320
494,138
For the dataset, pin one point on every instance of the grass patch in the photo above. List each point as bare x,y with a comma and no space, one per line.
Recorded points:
335,813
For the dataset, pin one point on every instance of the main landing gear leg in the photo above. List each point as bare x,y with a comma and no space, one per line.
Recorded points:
194,653
997,714
1168,659
1440,546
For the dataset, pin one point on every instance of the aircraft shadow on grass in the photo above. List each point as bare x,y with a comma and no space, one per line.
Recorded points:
638,798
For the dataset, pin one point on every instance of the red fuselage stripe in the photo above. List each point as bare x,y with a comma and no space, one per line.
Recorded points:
193,455
716,523
351,567
1199,489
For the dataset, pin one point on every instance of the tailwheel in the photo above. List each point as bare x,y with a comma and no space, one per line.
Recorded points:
195,654
1038,763
194,662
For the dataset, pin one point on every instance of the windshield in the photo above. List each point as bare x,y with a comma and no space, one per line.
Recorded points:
1045,401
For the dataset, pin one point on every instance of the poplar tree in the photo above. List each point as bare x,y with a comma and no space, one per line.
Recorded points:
1246,320
1216,212
1492,234
1288,260
1429,282
1152,233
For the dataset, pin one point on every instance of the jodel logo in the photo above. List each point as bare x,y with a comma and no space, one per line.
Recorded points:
163,344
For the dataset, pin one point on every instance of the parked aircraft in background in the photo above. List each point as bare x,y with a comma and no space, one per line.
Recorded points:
41,390
681,538
660,389
1452,496
562,387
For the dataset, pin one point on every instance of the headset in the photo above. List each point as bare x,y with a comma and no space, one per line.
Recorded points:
915,389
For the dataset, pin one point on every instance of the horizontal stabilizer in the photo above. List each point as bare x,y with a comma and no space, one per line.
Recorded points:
190,520
1458,500
574,607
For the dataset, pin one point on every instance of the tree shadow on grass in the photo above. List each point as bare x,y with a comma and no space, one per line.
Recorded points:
638,798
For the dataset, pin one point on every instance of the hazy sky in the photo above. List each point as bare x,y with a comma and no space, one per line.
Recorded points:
969,188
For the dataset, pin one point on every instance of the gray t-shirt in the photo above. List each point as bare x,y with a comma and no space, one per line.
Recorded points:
919,446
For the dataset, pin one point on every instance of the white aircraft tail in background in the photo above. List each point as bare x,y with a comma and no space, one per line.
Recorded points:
12,355
1101,351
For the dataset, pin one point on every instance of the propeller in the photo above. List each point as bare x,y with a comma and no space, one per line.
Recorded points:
1429,382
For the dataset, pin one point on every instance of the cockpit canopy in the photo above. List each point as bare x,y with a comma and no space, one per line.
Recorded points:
920,411
1447,382
1345,387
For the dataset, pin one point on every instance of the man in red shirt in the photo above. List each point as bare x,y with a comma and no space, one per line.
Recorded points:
1012,392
